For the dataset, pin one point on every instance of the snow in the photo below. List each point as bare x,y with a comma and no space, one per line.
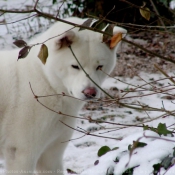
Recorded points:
82,153
142,158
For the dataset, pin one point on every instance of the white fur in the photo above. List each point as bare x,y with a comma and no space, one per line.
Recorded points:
31,136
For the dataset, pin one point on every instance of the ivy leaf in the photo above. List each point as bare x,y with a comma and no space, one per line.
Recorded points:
162,129
115,40
103,150
20,43
146,127
156,168
87,23
43,53
24,52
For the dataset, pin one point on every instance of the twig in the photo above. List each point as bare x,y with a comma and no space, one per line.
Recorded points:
35,4
148,51
160,19
164,73
19,20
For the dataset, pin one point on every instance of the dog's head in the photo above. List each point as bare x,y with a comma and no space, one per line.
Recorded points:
93,56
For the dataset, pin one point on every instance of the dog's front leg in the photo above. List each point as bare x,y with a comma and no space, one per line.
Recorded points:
51,159
20,161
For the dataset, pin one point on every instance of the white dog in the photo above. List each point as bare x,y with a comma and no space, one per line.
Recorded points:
31,135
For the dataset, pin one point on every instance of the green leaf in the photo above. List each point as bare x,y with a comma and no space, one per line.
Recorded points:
115,148
43,53
167,162
129,147
129,112
156,168
146,127
136,144
174,152
87,23
103,150
54,1
129,171
116,160
141,144
162,129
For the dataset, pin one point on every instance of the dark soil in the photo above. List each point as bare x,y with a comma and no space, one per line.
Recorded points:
131,60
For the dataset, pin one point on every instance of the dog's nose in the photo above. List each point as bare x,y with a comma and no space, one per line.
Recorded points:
89,92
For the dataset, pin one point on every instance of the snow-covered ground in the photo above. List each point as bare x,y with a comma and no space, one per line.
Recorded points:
81,155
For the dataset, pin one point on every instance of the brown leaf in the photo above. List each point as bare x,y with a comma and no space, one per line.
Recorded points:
20,43
43,53
168,97
115,40
24,52
96,162
145,12
71,171
87,23
99,24
108,30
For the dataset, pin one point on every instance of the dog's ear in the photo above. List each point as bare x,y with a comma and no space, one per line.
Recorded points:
119,30
118,34
65,40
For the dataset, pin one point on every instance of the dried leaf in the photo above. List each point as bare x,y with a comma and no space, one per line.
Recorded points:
99,24
71,171
96,162
108,30
115,40
87,23
168,97
20,43
145,12
43,53
24,52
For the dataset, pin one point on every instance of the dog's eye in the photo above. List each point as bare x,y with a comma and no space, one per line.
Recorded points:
75,66
99,67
